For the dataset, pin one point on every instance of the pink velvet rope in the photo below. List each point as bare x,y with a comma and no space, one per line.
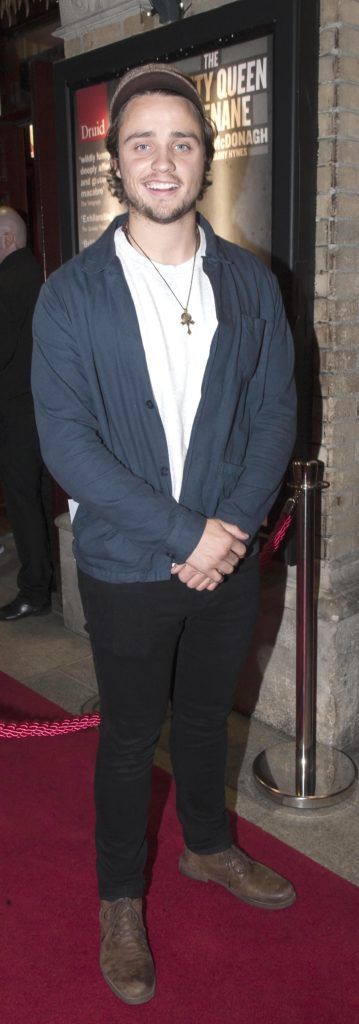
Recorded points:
274,541
21,730
35,727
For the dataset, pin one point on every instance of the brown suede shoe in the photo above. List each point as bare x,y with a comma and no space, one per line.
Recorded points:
245,878
125,960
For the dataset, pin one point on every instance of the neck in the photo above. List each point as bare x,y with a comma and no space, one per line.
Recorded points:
164,243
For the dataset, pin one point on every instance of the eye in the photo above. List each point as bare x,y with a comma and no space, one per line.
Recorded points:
142,146
183,147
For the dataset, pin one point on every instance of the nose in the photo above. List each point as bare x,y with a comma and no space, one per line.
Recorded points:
163,159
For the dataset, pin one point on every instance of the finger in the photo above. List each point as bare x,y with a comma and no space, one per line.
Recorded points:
229,563
184,568
232,557
205,583
213,586
238,548
234,530
215,575
176,569
226,568
188,573
199,582
195,581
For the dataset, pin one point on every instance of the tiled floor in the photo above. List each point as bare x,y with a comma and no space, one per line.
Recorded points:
50,659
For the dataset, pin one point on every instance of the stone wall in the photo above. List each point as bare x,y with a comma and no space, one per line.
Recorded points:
335,433
337,332
336,413
88,24
268,686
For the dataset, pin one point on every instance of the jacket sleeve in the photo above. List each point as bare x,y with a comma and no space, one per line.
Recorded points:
9,336
272,434
77,457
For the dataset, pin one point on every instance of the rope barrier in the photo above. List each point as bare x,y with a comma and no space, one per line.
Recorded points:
23,730
280,530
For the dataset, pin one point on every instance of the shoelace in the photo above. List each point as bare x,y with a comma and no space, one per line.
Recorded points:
123,917
237,861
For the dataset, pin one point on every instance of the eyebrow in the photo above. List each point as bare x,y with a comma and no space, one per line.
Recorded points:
173,135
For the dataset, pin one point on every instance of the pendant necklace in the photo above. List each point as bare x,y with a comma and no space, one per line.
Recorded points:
186,318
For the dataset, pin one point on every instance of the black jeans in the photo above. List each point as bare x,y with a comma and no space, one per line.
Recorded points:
151,640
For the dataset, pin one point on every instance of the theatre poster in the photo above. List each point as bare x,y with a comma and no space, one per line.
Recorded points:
235,85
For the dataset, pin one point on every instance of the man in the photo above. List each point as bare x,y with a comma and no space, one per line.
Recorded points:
23,477
163,382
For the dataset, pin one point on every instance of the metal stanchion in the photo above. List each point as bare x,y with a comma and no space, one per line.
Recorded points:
301,773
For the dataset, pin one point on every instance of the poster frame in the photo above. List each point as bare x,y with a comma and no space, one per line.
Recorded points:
294,26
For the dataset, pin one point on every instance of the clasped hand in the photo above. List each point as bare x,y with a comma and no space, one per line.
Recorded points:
217,554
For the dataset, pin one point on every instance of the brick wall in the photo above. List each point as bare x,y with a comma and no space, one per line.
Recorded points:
336,404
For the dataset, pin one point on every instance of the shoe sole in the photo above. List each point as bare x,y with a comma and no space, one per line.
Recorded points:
244,899
126,999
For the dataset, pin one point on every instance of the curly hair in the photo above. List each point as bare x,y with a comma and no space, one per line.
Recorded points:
208,132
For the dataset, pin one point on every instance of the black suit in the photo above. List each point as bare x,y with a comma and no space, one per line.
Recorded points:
25,482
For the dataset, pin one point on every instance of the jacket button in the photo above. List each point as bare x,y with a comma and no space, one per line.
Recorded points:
164,471
150,405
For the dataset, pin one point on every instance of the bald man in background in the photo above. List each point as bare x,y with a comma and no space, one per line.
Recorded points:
25,482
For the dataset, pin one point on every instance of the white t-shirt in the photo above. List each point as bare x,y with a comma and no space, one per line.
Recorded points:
176,360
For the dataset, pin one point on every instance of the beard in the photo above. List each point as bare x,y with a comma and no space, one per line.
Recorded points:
139,206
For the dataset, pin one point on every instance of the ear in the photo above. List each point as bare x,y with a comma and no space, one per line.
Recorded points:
114,166
9,239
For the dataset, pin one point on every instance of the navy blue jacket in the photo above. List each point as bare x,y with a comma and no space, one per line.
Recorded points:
101,434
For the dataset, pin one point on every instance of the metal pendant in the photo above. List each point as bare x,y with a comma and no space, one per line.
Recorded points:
186,320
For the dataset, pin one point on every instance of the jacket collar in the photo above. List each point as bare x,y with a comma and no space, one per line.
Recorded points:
101,254
15,257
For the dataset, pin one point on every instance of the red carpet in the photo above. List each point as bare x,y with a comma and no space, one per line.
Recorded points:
218,961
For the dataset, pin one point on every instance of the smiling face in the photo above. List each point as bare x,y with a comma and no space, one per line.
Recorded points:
161,156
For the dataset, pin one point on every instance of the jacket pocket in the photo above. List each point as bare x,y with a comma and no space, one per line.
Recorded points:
101,543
